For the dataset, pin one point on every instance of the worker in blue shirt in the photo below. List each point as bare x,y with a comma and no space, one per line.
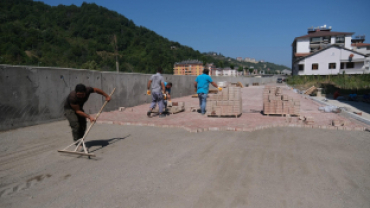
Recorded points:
201,85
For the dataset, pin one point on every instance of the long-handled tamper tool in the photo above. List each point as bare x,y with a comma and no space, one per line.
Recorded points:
81,141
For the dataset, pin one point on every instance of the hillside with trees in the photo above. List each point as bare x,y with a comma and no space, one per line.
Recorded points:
89,37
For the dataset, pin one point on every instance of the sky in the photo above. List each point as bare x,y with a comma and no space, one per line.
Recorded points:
263,29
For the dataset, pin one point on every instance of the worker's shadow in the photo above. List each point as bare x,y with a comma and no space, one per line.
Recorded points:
102,143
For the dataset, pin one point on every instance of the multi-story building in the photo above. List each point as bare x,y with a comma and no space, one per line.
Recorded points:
211,68
323,52
229,72
252,60
239,58
224,72
217,72
189,67
359,45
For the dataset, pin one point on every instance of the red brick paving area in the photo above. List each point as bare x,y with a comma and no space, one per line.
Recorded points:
250,120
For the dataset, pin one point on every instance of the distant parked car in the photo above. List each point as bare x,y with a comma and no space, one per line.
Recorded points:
279,80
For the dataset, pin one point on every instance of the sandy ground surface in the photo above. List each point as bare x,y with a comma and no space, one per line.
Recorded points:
170,167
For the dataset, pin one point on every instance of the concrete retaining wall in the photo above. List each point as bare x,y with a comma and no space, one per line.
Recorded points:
35,95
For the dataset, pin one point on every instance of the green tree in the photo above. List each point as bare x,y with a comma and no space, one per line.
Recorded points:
221,64
204,60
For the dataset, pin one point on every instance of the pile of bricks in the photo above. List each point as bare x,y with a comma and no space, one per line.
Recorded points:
227,102
274,102
338,122
172,107
175,107
309,120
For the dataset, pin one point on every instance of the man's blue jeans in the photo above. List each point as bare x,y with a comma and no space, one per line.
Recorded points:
202,102
157,97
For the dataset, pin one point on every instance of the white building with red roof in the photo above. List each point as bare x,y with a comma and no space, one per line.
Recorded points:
324,52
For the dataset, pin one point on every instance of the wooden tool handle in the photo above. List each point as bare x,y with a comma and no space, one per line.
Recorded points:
105,103
96,117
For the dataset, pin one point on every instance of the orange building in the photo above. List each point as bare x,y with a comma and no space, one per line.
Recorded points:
189,67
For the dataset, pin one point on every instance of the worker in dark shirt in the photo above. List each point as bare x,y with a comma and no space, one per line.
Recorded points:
73,109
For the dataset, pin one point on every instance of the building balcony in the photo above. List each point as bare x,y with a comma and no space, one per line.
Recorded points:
339,44
314,46
354,71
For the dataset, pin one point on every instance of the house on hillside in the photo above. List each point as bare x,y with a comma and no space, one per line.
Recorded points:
324,52
252,60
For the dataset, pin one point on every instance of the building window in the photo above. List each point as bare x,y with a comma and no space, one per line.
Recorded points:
326,39
301,67
350,65
332,65
339,39
341,65
315,66
316,40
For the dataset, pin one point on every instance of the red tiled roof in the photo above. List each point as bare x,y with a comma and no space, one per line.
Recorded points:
360,44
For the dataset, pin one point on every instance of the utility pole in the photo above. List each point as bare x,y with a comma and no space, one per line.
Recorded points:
116,52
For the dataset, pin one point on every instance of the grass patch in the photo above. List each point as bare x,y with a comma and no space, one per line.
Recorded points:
356,83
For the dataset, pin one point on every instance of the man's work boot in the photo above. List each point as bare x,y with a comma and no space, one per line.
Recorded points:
149,113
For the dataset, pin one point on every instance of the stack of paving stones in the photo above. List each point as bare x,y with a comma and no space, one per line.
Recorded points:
175,107
274,102
172,107
309,120
227,102
338,122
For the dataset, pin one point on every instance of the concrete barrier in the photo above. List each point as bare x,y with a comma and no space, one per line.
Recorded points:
35,95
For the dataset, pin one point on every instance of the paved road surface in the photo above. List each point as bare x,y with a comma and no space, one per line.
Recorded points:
163,167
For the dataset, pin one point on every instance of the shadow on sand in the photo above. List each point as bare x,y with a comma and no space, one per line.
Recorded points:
102,143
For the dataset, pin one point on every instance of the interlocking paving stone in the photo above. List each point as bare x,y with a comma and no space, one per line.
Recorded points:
252,119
